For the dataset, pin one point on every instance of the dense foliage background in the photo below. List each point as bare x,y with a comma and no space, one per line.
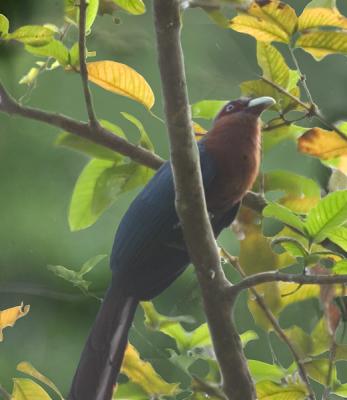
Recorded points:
37,179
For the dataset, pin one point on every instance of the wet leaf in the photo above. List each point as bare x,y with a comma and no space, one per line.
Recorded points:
142,374
26,389
29,369
273,21
121,79
323,43
10,316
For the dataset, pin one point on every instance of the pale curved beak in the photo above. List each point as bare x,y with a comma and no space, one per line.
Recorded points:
258,105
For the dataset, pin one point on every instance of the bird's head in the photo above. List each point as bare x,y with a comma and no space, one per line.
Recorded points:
246,105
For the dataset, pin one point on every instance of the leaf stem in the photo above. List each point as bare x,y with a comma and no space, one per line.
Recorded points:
83,66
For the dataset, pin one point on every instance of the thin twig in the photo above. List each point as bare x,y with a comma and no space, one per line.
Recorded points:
4,393
234,261
302,76
310,108
83,67
276,276
332,358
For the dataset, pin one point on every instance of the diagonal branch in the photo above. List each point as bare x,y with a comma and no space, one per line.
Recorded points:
234,261
83,67
191,206
97,134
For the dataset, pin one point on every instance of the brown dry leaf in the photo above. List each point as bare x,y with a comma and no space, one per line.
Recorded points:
9,317
322,143
121,79
143,374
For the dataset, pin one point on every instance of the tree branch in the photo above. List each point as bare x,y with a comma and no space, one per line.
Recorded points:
191,207
97,134
310,108
276,276
83,67
234,261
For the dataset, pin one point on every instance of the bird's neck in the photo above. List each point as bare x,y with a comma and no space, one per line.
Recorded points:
234,143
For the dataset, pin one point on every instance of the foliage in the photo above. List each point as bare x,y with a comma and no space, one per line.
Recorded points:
307,216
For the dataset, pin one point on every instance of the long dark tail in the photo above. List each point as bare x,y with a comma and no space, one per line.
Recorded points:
103,353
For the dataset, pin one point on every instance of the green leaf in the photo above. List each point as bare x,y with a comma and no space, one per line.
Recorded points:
272,64
274,136
26,389
30,77
339,236
340,390
91,263
129,391
283,214
247,337
258,88
90,148
34,35
207,109
318,370
267,390
329,214
91,13
75,55
135,7
262,371
340,268
54,48
291,245
29,369
99,186
71,276
144,138
323,43
4,25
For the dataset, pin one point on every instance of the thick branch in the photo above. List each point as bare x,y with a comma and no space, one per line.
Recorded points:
276,276
83,67
97,134
191,206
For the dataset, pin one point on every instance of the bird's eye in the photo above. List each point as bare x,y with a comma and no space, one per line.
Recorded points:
229,108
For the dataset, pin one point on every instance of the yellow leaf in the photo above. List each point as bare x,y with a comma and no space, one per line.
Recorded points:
273,64
293,293
9,317
322,43
143,374
301,205
121,79
321,143
314,17
267,21
26,389
267,390
29,369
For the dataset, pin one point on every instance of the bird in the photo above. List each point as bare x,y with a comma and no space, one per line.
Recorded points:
149,251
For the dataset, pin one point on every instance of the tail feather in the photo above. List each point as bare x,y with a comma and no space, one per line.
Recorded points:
103,353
